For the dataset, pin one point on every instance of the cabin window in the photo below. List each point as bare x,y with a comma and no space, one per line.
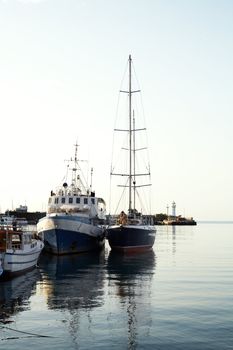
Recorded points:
56,200
78,200
50,200
27,239
93,200
85,200
15,238
71,200
63,200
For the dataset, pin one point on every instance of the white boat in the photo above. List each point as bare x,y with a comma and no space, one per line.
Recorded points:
131,232
75,216
19,249
9,219
6,219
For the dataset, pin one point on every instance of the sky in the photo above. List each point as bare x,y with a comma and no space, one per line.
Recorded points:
61,66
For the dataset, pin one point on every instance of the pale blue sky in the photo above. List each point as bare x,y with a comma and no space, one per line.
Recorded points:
61,66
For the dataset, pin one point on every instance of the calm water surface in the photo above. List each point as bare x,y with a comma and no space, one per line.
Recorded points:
179,296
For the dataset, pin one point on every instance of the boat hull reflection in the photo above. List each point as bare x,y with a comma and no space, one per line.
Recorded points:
73,281
15,294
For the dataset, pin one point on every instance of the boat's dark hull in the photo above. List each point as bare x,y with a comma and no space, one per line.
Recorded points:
66,242
68,235
131,238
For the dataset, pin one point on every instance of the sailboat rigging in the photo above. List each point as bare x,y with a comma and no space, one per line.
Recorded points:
131,232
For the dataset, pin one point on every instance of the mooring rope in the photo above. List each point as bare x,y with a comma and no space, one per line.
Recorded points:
28,333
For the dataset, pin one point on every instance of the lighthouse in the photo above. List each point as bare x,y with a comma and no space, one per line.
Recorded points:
173,209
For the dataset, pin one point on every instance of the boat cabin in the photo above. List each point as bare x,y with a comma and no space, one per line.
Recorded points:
13,239
72,203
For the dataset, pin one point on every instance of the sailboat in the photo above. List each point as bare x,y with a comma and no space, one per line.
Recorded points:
131,231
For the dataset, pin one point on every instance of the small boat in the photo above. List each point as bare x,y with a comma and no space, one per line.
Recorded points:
19,249
6,219
75,217
131,232
9,219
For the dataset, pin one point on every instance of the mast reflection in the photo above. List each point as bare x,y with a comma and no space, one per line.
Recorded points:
132,275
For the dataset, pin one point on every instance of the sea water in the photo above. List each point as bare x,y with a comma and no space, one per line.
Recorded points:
178,296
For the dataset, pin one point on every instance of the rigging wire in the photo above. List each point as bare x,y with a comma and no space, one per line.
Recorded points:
142,140
143,113
120,199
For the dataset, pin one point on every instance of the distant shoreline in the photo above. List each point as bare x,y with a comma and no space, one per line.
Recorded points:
215,221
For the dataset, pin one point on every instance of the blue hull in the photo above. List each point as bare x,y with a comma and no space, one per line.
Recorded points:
60,242
125,238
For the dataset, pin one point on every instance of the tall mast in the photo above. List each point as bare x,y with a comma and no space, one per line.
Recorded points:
130,137
134,165
131,175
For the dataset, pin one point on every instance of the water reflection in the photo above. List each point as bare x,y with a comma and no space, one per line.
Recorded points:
74,285
73,281
131,277
15,294
173,239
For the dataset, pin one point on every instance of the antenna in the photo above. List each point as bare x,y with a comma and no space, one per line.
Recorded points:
91,178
